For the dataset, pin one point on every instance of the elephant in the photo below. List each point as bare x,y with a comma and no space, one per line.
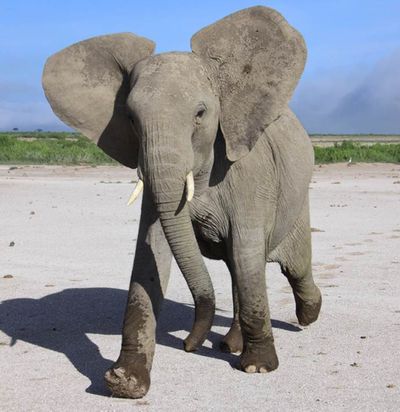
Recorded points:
224,166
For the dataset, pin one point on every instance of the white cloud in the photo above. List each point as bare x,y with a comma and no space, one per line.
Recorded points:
24,106
352,101
29,116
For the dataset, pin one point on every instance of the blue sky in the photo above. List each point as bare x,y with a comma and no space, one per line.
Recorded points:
351,83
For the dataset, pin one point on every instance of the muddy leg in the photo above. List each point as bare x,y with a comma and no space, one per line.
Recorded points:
129,377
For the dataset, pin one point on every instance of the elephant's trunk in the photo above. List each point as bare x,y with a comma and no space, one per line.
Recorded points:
165,171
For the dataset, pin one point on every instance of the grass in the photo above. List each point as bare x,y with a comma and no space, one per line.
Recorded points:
63,148
354,135
50,148
342,152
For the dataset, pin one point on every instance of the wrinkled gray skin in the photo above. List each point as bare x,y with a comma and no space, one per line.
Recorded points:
221,112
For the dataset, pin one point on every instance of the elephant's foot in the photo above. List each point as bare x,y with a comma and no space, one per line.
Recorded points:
128,380
233,340
307,310
259,357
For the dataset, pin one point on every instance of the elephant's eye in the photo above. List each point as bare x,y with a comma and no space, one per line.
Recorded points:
200,113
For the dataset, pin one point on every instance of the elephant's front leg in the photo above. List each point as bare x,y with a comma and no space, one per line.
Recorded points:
248,263
129,377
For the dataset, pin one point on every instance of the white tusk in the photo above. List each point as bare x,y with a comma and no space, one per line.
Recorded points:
136,192
189,187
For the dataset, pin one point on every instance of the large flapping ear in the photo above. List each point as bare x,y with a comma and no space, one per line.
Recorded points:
258,59
87,85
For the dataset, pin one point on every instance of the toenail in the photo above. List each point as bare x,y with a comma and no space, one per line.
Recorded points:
119,372
251,369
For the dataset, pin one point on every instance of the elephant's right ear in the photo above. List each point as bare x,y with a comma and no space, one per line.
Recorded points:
87,85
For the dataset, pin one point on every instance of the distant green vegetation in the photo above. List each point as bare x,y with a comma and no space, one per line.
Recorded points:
50,148
343,152
353,135
64,148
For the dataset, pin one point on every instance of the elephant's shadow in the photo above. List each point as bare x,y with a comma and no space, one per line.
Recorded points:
61,321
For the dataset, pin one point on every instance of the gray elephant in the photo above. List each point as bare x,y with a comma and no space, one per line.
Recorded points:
224,166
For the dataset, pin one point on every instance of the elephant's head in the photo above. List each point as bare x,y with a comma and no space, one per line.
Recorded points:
160,113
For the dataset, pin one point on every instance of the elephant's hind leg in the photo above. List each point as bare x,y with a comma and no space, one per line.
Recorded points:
294,257
233,340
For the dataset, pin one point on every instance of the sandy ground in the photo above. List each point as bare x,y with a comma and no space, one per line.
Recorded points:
66,247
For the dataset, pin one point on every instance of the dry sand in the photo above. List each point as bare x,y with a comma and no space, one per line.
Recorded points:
66,247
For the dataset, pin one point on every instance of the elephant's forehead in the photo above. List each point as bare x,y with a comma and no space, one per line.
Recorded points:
172,68
169,77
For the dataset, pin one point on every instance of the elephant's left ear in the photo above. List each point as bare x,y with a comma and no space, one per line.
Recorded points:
258,59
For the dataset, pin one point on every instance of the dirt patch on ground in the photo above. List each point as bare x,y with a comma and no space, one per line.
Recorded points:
63,289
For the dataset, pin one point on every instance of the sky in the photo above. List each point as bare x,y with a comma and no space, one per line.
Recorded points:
351,83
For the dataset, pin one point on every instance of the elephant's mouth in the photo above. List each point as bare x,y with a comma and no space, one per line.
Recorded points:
140,185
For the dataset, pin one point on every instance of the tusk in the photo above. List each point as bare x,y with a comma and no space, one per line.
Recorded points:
189,187
136,192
